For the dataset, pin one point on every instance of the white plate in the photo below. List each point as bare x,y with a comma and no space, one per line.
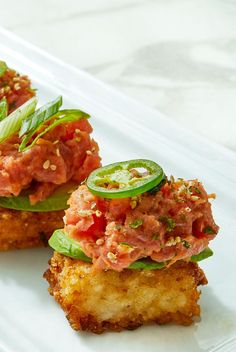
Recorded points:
30,320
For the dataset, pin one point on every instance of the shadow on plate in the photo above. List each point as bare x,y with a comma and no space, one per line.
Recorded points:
25,268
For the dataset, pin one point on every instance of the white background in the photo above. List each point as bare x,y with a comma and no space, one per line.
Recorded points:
178,56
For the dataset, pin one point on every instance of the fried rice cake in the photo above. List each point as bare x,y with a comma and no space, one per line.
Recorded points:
24,229
113,301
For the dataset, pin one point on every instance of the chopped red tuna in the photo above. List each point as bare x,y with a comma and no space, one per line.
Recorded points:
66,153
168,225
15,88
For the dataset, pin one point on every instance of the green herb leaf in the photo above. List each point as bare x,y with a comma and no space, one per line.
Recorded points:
3,68
126,244
207,252
170,223
194,190
136,223
41,115
186,244
38,118
12,123
62,243
63,116
3,108
209,230
57,201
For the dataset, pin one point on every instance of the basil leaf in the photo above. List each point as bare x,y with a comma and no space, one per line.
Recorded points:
3,108
67,246
35,120
3,68
207,252
57,201
63,116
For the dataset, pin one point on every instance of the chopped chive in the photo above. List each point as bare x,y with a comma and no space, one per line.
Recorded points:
126,244
194,190
155,237
209,230
136,223
169,222
186,244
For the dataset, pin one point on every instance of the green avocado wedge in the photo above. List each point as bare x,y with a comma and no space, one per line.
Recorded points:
206,253
69,247
57,201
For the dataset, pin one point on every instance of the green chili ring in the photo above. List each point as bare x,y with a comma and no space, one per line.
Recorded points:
125,184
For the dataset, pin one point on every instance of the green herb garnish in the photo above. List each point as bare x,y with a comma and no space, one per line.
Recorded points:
194,189
136,223
126,244
155,237
13,122
3,108
209,230
37,119
62,117
170,223
186,244
3,68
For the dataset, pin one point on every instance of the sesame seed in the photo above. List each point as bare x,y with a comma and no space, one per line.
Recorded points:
194,198
177,239
58,152
112,257
55,142
77,131
17,86
46,164
78,139
93,205
85,213
5,216
88,152
53,167
98,213
100,241
188,209
133,204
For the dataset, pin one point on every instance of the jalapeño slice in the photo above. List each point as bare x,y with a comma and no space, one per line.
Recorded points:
125,179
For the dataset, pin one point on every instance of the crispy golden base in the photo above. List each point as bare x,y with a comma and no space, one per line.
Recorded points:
22,229
113,301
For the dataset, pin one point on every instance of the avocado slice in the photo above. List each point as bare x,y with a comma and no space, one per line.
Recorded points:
62,243
57,201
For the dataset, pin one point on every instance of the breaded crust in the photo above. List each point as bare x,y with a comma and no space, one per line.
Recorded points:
24,229
113,301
